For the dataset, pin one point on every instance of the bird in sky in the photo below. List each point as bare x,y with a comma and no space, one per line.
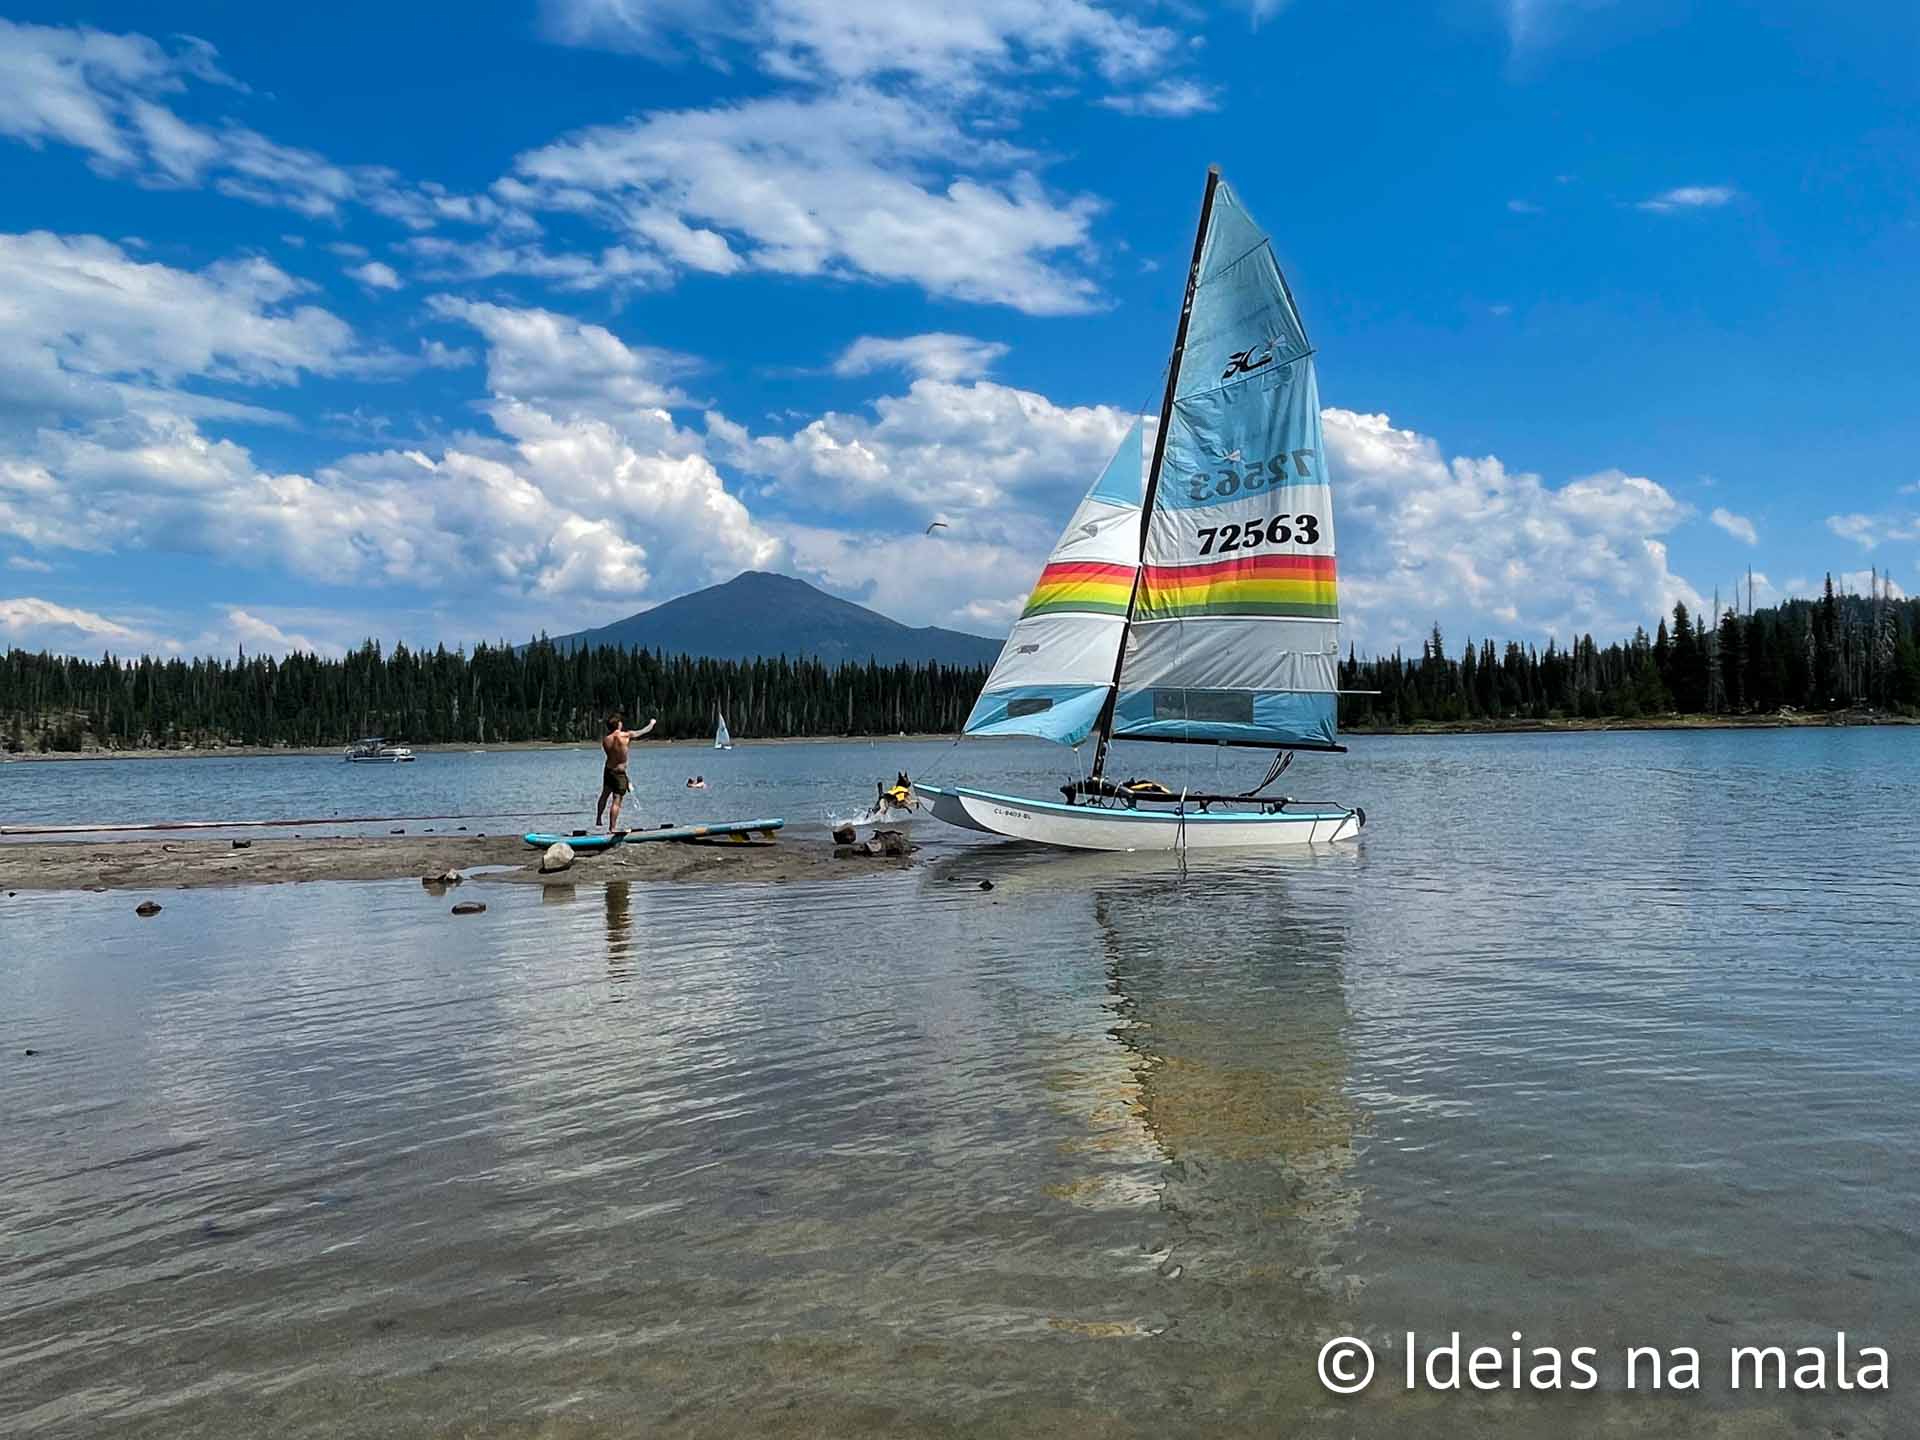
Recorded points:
937,525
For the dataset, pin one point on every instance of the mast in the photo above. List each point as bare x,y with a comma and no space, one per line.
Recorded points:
1105,726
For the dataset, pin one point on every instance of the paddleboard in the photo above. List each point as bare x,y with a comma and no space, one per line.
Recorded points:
739,831
578,842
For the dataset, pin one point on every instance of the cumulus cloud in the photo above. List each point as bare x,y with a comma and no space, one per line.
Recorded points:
566,365
89,333
1481,548
989,451
1738,526
834,184
933,356
584,490
260,636
30,623
376,276
94,310
1690,197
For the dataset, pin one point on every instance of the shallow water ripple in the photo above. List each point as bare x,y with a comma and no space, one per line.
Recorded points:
1608,1039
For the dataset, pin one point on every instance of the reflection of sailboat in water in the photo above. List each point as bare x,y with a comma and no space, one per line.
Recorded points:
619,936
1235,1036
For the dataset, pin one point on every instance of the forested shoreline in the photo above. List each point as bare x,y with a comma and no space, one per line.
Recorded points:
1838,653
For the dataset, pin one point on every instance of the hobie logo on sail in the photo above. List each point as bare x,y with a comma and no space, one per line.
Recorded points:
1243,361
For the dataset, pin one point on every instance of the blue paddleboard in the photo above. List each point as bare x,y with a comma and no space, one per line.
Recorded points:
740,831
578,842
737,830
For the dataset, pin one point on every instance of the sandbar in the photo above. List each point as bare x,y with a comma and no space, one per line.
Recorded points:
799,853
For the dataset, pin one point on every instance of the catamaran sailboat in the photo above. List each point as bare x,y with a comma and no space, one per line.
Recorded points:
722,739
1195,603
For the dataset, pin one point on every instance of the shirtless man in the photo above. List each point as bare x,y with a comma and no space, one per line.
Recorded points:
613,781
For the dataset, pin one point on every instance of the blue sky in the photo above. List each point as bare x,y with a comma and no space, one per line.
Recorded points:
393,320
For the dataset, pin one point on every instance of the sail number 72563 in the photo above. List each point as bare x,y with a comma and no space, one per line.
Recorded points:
1218,484
1278,531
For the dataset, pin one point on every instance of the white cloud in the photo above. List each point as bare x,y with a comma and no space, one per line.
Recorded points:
1168,99
90,308
1261,11
928,42
616,266
1845,582
23,562
1871,531
918,579
103,95
585,493
1690,197
88,333
1524,207
1738,526
29,623
78,86
836,184
982,453
933,356
1483,549
257,635
376,276
566,365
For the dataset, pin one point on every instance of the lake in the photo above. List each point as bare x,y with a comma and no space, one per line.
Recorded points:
1604,1039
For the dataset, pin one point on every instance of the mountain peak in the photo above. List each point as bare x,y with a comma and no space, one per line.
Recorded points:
763,613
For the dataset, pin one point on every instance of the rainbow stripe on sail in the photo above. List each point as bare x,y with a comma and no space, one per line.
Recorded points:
1302,586
1083,585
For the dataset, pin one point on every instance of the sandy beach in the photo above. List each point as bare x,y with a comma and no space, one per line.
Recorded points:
799,853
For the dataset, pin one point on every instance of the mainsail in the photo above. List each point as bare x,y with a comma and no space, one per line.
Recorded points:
1232,635
1054,675
721,739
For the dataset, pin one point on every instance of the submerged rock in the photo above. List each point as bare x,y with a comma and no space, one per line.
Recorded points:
469,907
986,884
146,907
888,844
559,856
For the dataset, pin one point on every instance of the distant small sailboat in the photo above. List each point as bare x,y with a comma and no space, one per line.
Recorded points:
722,739
1192,602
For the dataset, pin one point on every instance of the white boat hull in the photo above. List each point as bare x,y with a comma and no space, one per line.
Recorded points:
1094,827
